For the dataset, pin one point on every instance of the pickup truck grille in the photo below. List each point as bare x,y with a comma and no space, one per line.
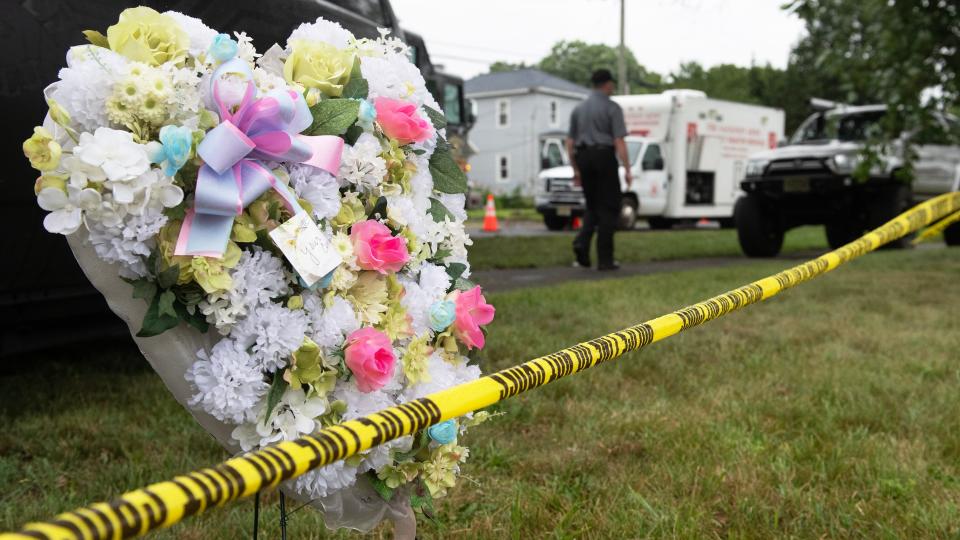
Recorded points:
562,191
797,166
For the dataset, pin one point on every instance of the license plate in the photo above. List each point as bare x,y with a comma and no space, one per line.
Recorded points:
796,185
563,211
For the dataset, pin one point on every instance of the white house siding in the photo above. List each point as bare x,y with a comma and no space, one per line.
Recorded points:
519,141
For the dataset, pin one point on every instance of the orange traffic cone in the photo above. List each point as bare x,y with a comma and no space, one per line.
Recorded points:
703,222
490,216
576,223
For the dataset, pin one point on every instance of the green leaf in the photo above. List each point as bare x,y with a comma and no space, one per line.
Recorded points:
96,38
379,208
165,304
356,89
333,116
438,211
423,503
195,319
156,323
352,134
437,118
276,392
386,493
168,278
447,176
144,288
355,71
455,270
441,254
464,284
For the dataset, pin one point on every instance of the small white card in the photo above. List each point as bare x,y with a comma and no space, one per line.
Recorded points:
306,248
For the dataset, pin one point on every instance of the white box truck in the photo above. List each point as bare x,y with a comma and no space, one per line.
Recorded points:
688,153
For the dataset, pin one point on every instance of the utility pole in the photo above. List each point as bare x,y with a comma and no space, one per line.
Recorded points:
622,57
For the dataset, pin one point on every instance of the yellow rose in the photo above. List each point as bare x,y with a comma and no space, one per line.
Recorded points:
318,65
143,35
42,151
50,181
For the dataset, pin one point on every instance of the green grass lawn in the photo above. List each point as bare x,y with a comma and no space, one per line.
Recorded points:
475,215
830,411
636,246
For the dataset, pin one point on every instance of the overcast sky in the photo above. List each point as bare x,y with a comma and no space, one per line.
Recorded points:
467,35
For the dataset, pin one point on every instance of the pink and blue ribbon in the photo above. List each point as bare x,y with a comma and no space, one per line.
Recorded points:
233,175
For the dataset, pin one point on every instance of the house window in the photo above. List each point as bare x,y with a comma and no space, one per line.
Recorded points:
503,113
503,168
554,114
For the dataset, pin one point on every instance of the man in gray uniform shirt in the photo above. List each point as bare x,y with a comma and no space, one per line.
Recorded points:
594,143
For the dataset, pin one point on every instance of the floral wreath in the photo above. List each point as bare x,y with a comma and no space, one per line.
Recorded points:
181,156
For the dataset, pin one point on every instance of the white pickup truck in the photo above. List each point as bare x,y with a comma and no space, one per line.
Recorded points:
688,154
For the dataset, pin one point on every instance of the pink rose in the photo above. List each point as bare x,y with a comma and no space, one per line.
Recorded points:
400,121
369,355
377,248
472,311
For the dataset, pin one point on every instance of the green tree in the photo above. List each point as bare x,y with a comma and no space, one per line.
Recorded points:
905,53
577,60
502,65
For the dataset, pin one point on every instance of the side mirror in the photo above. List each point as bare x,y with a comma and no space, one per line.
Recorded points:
544,163
781,143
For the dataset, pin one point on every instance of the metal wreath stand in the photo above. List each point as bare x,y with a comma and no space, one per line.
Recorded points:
402,529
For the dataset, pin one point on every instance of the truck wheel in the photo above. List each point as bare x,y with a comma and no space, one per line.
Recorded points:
887,205
951,235
555,222
758,232
843,231
628,214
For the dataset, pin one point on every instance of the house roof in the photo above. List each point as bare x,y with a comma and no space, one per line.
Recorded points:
527,79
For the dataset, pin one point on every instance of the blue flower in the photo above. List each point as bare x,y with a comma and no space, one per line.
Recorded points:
444,432
367,115
176,144
442,314
223,48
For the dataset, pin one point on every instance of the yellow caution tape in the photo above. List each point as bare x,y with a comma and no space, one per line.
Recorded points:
937,228
166,503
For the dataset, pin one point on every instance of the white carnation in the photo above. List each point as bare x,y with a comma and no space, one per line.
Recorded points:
330,324
128,243
395,76
325,480
201,35
86,83
271,332
323,31
227,381
319,188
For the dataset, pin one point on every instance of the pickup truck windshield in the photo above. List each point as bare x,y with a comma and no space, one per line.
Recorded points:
823,127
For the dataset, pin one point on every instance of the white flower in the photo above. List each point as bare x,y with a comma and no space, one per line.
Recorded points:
434,280
420,295
267,81
318,187
292,417
330,324
86,83
127,241
342,244
81,174
443,375
456,204
245,50
271,332
201,35
325,480
323,31
121,159
66,209
395,76
361,164
227,381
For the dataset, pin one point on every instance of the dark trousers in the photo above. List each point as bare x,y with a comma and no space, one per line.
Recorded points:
600,175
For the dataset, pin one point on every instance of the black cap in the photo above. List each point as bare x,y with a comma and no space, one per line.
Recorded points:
601,76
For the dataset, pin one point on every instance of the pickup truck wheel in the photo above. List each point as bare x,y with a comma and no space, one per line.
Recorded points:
555,222
887,205
843,231
758,232
951,235
628,214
